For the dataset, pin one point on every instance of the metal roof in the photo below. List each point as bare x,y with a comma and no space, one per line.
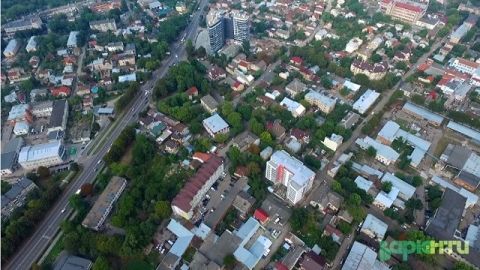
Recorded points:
375,225
406,190
432,117
215,123
467,131
40,151
184,237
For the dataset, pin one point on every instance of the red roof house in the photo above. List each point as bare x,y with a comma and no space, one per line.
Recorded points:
61,91
261,215
192,92
296,61
202,157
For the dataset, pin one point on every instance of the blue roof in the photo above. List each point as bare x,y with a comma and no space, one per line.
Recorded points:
94,89
432,117
467,131
184,237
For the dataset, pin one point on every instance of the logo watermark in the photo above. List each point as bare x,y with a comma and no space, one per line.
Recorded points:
405,248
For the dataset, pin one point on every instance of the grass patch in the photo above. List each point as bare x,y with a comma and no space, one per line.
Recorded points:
441,145
127,157
138,265
54,252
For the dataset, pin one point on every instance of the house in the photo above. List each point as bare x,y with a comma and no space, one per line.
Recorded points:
362,257
300,135
209,104
330,203
216,73
292,106
60,91
349,120
325,103
103,25
374,71
333,142
261,216
215,125
192,92
312,261
374,227
237,86
69,262
243,202
276,129
297,61
384,153
244,140
31,45
171,146
12,48
353,45
295,87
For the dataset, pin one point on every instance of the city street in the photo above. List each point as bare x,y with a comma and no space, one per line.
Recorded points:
33,248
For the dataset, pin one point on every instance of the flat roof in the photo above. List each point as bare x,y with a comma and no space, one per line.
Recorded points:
70,262
301,173
184,237
467,131
104,203
58,111
327,101
365,101
448,216
424,113
215,123
472,199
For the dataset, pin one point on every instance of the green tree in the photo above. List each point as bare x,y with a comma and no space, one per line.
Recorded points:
43,172
221,137
227,108
371,152
229,261
387,186
162,209
101,263
266,138
355,199
414,204
376,58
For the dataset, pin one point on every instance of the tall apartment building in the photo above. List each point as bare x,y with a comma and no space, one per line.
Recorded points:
241,26
216,30
45,154
404,10
197,186
290,172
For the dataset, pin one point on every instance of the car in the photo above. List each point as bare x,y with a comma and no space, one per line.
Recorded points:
222,196
63,210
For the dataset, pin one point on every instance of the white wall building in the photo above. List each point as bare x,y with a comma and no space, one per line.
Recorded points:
290,172
333,142
215,125
353,45
292,106
374,227
46,154
324,103
365,101
385,153
31,45
21,128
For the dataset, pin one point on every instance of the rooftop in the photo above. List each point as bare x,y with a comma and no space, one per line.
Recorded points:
215,123
40,151
429,116
375,225
467,131
406,190
448,216
301,173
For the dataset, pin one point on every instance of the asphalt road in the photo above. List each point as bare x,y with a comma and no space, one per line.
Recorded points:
33,248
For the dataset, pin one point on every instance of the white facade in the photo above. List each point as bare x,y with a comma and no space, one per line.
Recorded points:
31,45
385,153
294,107
241,26
464,65
215,125
21,128
324,103
46,154
374,227
72,39
12,48
333,142
290,172
353,45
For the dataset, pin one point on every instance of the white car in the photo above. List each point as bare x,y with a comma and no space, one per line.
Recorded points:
63,210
